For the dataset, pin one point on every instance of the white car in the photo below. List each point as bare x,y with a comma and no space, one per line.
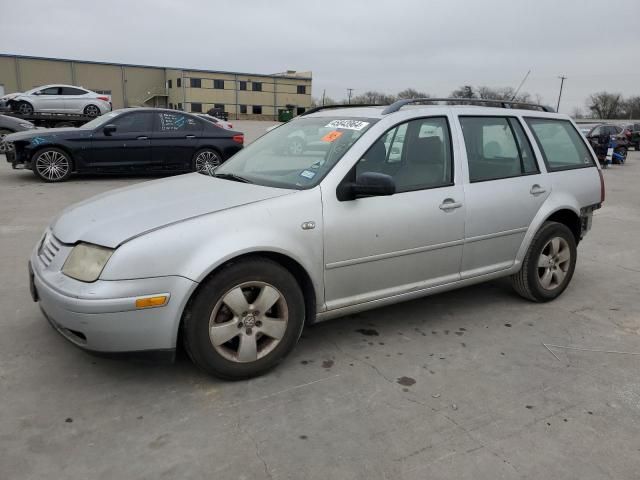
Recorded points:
61,99
218,122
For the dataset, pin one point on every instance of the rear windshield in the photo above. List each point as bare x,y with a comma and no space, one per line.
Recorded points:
297,154
561,145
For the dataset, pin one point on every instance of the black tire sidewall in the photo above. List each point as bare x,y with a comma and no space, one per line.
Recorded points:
44,179
196,327
87,113
547,232
27,104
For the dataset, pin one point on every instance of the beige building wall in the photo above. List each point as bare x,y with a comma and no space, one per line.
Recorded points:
103,78
131,85
34,73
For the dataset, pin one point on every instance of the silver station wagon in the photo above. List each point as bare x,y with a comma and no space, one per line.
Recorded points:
374,205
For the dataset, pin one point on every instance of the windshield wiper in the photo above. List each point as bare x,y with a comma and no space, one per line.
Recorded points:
232,176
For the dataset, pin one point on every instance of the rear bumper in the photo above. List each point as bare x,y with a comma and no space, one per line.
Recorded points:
101,317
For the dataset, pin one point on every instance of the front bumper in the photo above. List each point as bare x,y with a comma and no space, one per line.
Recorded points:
101,316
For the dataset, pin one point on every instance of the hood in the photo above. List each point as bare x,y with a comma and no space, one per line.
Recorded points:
47,133
113,218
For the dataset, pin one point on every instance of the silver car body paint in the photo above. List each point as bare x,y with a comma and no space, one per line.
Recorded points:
170,234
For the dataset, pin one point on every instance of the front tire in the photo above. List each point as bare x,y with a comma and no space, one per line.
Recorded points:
548,265
245,319
52,165
3,146
25,108
205,161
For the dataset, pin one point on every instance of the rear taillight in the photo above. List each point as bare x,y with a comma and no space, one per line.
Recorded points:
104,99
601,186
238,139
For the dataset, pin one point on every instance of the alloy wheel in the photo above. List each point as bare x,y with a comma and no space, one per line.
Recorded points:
92,111
553,263
207,161
248,322
52,165
25,108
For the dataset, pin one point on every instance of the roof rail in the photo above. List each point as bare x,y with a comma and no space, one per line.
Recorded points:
395,106
349,105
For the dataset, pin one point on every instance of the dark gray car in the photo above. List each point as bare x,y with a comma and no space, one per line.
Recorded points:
10,125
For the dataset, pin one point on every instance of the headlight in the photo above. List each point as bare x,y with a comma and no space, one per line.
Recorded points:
86,261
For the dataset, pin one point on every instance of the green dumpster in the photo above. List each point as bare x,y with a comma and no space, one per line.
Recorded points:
285,115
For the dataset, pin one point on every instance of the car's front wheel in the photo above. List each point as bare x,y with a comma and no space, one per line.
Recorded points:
548,265
244,319
52,165
25,108
3,146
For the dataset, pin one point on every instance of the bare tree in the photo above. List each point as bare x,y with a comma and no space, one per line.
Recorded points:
576,113
466,91
605,105
411,93
373,97
631,108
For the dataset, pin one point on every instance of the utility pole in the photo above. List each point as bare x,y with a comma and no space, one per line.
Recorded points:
562,79
323,94
349,93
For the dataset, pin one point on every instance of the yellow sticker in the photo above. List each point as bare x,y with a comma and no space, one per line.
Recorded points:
332,136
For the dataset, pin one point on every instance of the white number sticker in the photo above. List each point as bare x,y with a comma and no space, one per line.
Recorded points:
347,124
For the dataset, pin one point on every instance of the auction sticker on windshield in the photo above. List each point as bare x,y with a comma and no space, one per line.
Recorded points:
332,136
347,124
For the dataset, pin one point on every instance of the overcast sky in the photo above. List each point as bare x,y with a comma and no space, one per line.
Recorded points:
433,46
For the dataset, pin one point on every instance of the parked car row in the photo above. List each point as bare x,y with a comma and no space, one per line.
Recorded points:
133,140
605,136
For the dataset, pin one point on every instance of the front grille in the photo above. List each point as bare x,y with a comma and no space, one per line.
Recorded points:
48,250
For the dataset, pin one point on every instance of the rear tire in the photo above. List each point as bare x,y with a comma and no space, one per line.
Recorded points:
548,265
244,319
52,165
92,111
205,160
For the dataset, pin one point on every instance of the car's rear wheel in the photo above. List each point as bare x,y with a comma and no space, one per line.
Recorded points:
205,161
25,108
52,165
3,146
244,319
91,111
548,265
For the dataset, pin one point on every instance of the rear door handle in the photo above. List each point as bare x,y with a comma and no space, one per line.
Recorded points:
190,136
537,190
449,204
142,137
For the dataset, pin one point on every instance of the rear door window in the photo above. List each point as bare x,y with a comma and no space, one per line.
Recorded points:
497,147
177,122
72,91
561,145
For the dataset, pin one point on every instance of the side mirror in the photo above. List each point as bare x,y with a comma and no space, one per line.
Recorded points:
37,93
109,129
368,184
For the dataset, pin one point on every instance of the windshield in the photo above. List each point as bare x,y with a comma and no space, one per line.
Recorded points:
297,154
101,120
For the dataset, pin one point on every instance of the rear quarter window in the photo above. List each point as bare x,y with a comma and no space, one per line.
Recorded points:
561,145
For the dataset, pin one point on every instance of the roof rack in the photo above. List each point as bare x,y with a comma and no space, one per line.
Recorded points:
395,106
349,105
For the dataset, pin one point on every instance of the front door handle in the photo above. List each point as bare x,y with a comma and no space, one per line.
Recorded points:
537,190
190,136
142,137
449,204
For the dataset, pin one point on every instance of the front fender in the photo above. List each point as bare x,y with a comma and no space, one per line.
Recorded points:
194,248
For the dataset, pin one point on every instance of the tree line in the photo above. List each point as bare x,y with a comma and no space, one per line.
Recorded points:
604,105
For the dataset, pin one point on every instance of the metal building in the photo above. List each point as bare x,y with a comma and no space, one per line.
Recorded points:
243,95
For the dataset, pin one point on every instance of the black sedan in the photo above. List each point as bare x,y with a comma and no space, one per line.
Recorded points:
134,140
